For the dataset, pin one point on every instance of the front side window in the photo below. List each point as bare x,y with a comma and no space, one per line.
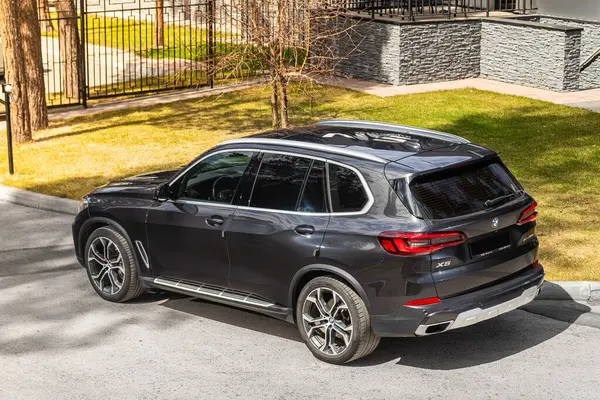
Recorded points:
216,178
279,182
347,191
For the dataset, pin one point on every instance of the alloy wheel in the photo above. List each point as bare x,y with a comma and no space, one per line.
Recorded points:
106,266
327,321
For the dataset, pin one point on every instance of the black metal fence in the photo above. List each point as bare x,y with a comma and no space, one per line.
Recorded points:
421,9
95,49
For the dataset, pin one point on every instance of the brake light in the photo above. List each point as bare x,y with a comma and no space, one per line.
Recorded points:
530,214
401,243
535,264
422,302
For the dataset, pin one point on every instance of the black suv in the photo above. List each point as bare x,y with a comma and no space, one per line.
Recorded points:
353,230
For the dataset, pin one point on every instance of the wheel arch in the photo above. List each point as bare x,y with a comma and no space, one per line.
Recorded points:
310,272
95,223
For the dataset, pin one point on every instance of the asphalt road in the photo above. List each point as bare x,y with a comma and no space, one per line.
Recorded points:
59,340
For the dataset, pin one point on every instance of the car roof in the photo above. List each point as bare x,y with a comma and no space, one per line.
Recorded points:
374,141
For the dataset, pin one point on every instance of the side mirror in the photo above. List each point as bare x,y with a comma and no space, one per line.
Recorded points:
163,192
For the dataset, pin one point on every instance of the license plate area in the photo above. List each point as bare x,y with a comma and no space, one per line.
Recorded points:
490,244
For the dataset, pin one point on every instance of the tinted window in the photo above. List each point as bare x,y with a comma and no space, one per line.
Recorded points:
347,191
313,197
279,182
215,178
462,191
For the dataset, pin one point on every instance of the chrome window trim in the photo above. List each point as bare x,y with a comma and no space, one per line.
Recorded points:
307,146
367,189
395,128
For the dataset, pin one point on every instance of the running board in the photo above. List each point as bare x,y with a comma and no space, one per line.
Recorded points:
223,295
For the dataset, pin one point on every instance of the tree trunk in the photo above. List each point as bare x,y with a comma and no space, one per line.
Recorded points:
274,103
69,47
44,15
14,60
283,102
159,25
187,10
34,66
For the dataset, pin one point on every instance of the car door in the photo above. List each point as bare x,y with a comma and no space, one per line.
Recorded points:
279,226
186,232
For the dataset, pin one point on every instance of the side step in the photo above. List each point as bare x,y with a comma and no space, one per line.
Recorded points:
223,295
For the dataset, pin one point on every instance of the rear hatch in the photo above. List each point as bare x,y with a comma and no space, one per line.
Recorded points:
477,198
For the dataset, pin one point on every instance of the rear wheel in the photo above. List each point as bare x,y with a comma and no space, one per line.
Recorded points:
334,322
111,266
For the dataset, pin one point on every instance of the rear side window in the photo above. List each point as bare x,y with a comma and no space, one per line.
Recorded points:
314,199
347,191
279,182
462,191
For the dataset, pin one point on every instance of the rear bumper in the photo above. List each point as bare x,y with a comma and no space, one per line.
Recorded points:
464,310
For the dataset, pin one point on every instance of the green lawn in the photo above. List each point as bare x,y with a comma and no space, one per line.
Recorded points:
553,150
135,36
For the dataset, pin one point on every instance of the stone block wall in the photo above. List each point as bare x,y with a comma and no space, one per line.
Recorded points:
530,54
590,42
409,54
438,52
530,51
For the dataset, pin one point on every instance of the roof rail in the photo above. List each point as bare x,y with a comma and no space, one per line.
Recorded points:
448,137
307,146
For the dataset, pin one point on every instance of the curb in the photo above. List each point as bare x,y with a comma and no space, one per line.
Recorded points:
577,291
38,200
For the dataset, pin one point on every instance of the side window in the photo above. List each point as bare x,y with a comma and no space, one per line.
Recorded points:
313,198
347,191
215,178
279,182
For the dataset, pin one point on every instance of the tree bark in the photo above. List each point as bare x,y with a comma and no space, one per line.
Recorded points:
159,25
274,103
283,102
34,66
44,15
69,47
14,60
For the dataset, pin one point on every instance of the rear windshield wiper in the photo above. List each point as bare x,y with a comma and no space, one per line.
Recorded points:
498,200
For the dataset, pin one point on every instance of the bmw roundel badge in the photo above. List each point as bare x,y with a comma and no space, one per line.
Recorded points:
495,223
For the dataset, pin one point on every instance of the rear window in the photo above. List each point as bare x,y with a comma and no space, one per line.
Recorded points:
347,191
462,191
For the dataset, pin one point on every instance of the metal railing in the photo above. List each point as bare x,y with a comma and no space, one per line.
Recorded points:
423,9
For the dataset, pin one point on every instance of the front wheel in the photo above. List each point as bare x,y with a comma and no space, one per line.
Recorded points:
111,267
334,322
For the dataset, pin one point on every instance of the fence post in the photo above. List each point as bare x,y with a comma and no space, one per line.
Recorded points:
487,9
211,50
7,89
83,55
372,9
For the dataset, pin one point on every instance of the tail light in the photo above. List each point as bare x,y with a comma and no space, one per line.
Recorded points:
422,302
530,214
535,264
401,243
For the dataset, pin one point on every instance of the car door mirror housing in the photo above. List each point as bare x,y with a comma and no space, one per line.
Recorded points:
163,192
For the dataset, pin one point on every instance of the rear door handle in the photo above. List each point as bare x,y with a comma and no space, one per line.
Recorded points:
215,220
305,229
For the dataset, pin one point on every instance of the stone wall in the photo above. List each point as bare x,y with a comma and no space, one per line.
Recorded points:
437,52
530,54
411,53
590,42
515,50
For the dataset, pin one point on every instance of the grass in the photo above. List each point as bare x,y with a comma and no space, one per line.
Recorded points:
553,150
137,36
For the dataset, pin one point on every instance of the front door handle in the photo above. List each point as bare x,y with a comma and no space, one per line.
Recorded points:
305,229
215,220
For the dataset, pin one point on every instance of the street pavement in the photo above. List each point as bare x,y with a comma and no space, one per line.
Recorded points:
59,340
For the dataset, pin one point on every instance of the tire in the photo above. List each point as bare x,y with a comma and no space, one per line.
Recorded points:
351,310
120,268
